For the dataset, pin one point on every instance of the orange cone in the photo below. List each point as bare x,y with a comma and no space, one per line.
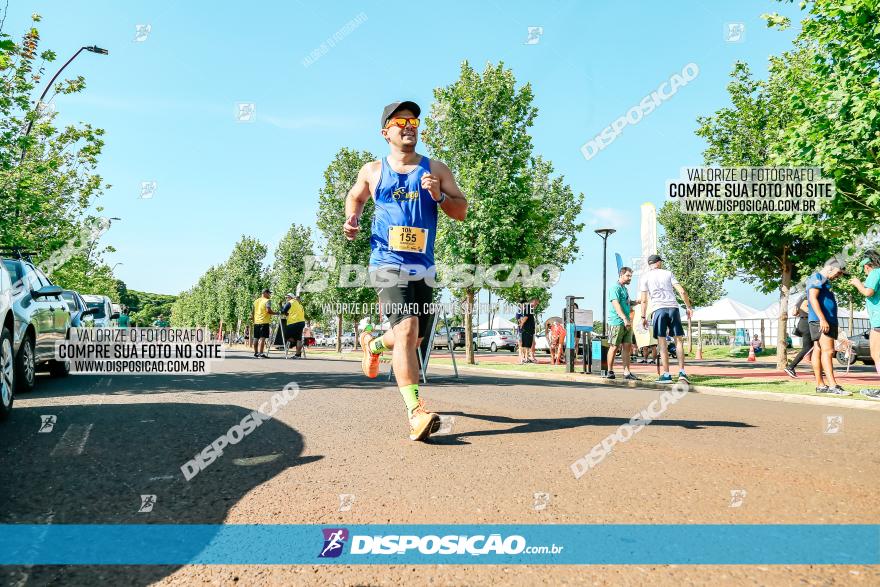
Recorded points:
751,354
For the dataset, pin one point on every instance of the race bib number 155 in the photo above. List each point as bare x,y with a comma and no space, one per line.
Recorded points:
409,239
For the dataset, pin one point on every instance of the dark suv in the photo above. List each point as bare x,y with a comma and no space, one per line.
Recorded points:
41,318
861,350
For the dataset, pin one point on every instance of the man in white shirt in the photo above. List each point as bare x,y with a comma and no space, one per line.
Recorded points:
660,285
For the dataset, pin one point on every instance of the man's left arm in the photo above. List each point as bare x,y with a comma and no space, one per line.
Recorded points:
444,190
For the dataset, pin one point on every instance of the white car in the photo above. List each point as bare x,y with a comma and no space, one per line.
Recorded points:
542,343
495,339
104,307
348,339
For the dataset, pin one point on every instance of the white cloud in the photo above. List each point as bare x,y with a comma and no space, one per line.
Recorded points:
607,217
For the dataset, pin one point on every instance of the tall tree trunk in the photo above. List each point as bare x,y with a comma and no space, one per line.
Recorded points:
782,327
469,328
339,333
690,338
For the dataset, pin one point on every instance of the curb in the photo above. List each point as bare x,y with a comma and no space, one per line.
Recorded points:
702,389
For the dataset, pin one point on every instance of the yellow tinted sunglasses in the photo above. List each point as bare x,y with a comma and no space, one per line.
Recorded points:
401,122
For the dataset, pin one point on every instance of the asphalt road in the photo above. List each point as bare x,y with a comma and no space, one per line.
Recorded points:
118,438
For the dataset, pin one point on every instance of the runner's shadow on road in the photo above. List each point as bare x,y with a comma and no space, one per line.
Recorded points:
537,425
97,462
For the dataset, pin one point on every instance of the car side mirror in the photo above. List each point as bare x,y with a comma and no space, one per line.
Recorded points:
47,291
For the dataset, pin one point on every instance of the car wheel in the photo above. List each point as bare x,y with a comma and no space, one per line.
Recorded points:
7,374
59,368
844,360
493,347
512,349
25,367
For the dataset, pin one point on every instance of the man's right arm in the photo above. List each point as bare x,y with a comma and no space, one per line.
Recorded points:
620,312
355,201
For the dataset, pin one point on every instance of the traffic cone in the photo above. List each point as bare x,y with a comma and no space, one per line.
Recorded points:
751,354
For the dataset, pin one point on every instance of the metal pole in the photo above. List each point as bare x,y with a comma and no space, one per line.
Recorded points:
604,286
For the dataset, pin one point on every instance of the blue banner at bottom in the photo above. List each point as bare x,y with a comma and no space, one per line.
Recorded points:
155,544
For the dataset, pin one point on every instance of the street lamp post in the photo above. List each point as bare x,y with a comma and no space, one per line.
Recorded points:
92,49
115,266
604,233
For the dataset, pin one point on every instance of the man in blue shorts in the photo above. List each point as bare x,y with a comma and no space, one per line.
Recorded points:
408,190
660,286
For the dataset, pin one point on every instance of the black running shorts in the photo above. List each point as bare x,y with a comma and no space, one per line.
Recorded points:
404,298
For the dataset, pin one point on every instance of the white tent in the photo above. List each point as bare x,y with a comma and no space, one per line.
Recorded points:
497,322
766,321
725,309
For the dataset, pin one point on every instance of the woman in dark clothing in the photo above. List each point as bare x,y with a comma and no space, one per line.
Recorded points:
802,329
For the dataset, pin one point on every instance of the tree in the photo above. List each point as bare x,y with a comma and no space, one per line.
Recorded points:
83,275
47,179
772,250
552,229
288,271
241,279
479,128
834,87
686,252
339,176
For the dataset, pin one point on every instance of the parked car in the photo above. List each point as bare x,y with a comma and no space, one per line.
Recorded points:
495,339
347,339
7,348
861,350
542,343
41,318
441,339
81,316
104,307
457,336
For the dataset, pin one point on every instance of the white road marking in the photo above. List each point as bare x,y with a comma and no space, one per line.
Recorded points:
162,478
74,440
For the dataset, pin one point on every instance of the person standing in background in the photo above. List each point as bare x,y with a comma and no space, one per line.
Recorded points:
261,317
124,320
802,329
659,286
870,265
823,326
620,326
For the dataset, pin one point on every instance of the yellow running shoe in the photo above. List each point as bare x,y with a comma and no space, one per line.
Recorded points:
370,362
423,423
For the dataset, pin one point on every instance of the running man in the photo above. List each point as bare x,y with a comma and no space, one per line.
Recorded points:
261,317
620,331
871,290
823,325
660,285
407,190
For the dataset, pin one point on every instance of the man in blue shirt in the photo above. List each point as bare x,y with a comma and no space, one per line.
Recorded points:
871,290
408,191
822,315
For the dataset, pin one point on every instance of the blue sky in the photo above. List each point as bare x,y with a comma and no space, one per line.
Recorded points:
168,106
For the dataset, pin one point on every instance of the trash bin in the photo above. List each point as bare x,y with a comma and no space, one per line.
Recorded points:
600,355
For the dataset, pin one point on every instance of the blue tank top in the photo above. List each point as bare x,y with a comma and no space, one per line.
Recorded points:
401,201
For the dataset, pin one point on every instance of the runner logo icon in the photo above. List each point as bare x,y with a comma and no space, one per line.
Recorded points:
334,541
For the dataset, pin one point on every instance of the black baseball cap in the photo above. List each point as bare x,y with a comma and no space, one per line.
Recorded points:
395,106
654,259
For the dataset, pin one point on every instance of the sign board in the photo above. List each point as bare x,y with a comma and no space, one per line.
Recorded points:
583,318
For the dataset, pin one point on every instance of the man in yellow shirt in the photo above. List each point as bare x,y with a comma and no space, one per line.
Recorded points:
295,322
261,317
